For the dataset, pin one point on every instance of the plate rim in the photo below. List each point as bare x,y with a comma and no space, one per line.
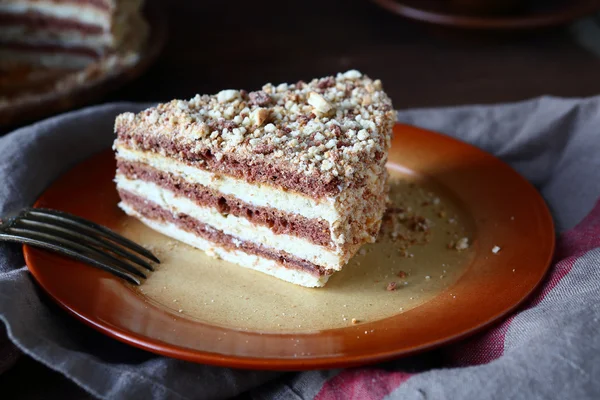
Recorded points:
297,364
499,23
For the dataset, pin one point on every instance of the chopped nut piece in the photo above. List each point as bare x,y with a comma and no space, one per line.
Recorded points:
355,321
259,98
225,96
326,83
354,74
362,134
391,286
319,103
401,274
260,115
496,249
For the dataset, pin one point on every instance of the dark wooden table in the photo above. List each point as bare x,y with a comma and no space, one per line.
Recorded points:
239,44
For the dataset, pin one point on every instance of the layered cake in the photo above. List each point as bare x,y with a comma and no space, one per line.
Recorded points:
68,34
289,180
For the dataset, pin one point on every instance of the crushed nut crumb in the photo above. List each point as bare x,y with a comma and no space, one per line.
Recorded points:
259,116
233,123
462,244
321,105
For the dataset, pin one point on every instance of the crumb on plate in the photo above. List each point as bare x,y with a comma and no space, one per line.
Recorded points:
462,244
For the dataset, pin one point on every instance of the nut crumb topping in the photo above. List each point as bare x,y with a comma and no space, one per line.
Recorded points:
325,127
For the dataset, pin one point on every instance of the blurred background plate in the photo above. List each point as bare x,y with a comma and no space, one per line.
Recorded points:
492,14
41,98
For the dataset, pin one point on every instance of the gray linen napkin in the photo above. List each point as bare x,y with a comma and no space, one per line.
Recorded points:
550,349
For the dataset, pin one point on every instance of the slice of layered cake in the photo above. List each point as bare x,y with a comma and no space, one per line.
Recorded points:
289,180
68,34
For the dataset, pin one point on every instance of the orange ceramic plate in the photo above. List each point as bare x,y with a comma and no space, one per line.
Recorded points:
489,289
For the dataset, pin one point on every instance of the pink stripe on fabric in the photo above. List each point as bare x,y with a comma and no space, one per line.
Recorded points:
365,384
571,245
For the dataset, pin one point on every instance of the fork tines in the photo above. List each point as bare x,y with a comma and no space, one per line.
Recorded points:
81,239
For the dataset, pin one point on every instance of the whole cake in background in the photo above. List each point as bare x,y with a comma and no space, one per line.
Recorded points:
289,180
68,34
56,44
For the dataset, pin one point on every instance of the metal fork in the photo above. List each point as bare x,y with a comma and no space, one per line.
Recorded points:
80,239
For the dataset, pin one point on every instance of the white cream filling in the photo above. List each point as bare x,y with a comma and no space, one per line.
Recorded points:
256,194
239,257
240,228
85,13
